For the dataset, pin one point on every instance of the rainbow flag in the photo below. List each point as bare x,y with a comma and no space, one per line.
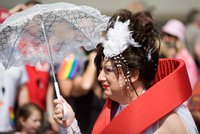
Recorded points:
12,116
68,69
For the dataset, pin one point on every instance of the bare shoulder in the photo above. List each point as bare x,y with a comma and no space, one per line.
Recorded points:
171,123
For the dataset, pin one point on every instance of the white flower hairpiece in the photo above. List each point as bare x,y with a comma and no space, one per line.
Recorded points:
118,39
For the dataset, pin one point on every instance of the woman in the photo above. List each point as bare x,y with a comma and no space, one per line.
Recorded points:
127,63
173,33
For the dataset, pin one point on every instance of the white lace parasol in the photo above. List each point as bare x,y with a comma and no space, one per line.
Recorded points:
67,27
48,33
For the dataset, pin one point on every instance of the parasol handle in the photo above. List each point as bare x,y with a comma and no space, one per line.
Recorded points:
64,111
63,104
57,90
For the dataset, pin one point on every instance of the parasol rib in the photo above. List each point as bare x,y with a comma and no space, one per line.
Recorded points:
14,45
50,58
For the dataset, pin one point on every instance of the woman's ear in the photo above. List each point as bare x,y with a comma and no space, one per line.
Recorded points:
134,76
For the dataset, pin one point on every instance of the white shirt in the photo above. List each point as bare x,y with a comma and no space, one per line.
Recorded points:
10,79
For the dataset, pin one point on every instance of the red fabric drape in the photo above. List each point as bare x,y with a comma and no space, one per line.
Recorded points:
37,94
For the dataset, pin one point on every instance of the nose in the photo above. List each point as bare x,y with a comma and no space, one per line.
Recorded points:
101,76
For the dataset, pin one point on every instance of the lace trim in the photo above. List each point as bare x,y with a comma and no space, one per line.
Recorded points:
72,129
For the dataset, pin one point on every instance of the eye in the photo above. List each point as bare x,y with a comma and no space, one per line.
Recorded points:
110,69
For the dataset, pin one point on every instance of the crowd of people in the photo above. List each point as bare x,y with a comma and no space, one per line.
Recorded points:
111,90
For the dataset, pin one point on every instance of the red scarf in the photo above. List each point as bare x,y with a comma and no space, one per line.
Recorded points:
171,89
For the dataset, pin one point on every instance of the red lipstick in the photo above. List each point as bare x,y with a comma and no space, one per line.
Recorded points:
104,86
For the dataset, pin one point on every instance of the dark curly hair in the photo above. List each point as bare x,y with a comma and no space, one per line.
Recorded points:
144,32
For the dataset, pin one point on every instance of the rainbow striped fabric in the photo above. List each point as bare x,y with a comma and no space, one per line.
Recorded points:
12,116
68,69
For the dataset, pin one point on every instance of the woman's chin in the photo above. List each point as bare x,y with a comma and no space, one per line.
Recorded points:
106,93
110,95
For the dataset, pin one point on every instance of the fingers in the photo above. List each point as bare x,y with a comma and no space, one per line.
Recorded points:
62,100
60,116
58,109
57,101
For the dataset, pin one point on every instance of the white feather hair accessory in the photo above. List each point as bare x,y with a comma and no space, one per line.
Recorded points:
118,39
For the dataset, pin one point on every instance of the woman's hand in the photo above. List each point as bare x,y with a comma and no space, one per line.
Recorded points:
58,113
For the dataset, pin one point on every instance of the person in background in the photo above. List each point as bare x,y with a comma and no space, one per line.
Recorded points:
12,86
5,13
174,39
193,43
29,118
192,35
143,93
139,6
135,7
13,90
22,7
41,92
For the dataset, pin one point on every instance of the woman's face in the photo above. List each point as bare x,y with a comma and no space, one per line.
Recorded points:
169,38
108,77
32,124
